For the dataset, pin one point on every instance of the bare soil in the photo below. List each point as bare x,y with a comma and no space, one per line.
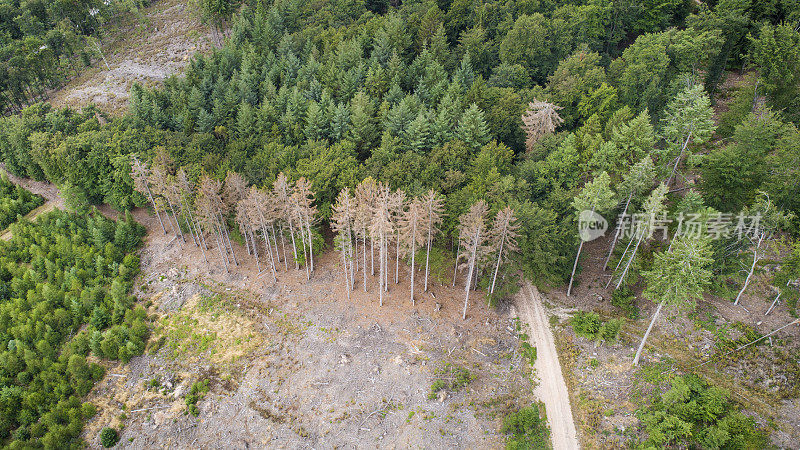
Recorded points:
146,49
293,364
606,389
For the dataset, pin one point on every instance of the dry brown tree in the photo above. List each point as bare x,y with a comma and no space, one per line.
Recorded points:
503,238
159,179
282,190
261,211
206,206
412,226
185,189
381,230
305,211
397,210
539,120
473,236
433,203
342,223
364,195
141,174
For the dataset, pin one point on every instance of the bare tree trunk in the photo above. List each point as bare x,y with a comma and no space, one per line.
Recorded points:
221,253
310,242
397,261
344,268
372,257
752,269
275,242
470,272
364,265
269,251
227,238
283,243
305,254
680,156
497,266
646,334
622,257
574,267
455,269
616,235
294,245
155,208
380,269
176,221
413,256
630,260
428,252
255,250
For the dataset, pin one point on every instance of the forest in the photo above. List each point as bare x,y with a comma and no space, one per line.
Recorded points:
15,202
472,134
64,282
43,44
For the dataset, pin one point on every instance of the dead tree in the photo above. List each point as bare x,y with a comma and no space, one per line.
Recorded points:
503,238
413,223
539,120
432,202
364,198
306,214
282,190
206,205
381,229
397,208
140,174
473,238
342,223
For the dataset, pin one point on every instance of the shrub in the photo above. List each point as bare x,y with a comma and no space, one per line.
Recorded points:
197,391
528,429
450,377
108,437
590,326
693,414
624,299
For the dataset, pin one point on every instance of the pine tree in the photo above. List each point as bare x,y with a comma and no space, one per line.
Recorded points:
634,183
597,197
472,128
677,278
282,191
688,118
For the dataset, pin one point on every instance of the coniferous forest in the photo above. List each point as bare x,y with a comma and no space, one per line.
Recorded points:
472,133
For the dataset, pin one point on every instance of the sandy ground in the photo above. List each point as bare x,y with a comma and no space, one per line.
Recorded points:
552,390
165,38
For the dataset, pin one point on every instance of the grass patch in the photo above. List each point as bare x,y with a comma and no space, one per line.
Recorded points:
450,378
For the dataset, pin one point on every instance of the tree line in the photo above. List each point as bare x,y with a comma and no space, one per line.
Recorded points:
277,225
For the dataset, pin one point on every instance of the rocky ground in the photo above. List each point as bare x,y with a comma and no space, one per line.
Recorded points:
294,364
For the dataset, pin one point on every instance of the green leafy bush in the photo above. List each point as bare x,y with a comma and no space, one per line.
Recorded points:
692,414
450,377
624,299
196,393
590,326
528,429
108,437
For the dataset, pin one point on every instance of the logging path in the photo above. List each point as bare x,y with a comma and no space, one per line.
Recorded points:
551,390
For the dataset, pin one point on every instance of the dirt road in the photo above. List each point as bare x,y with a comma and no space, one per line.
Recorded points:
551,390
